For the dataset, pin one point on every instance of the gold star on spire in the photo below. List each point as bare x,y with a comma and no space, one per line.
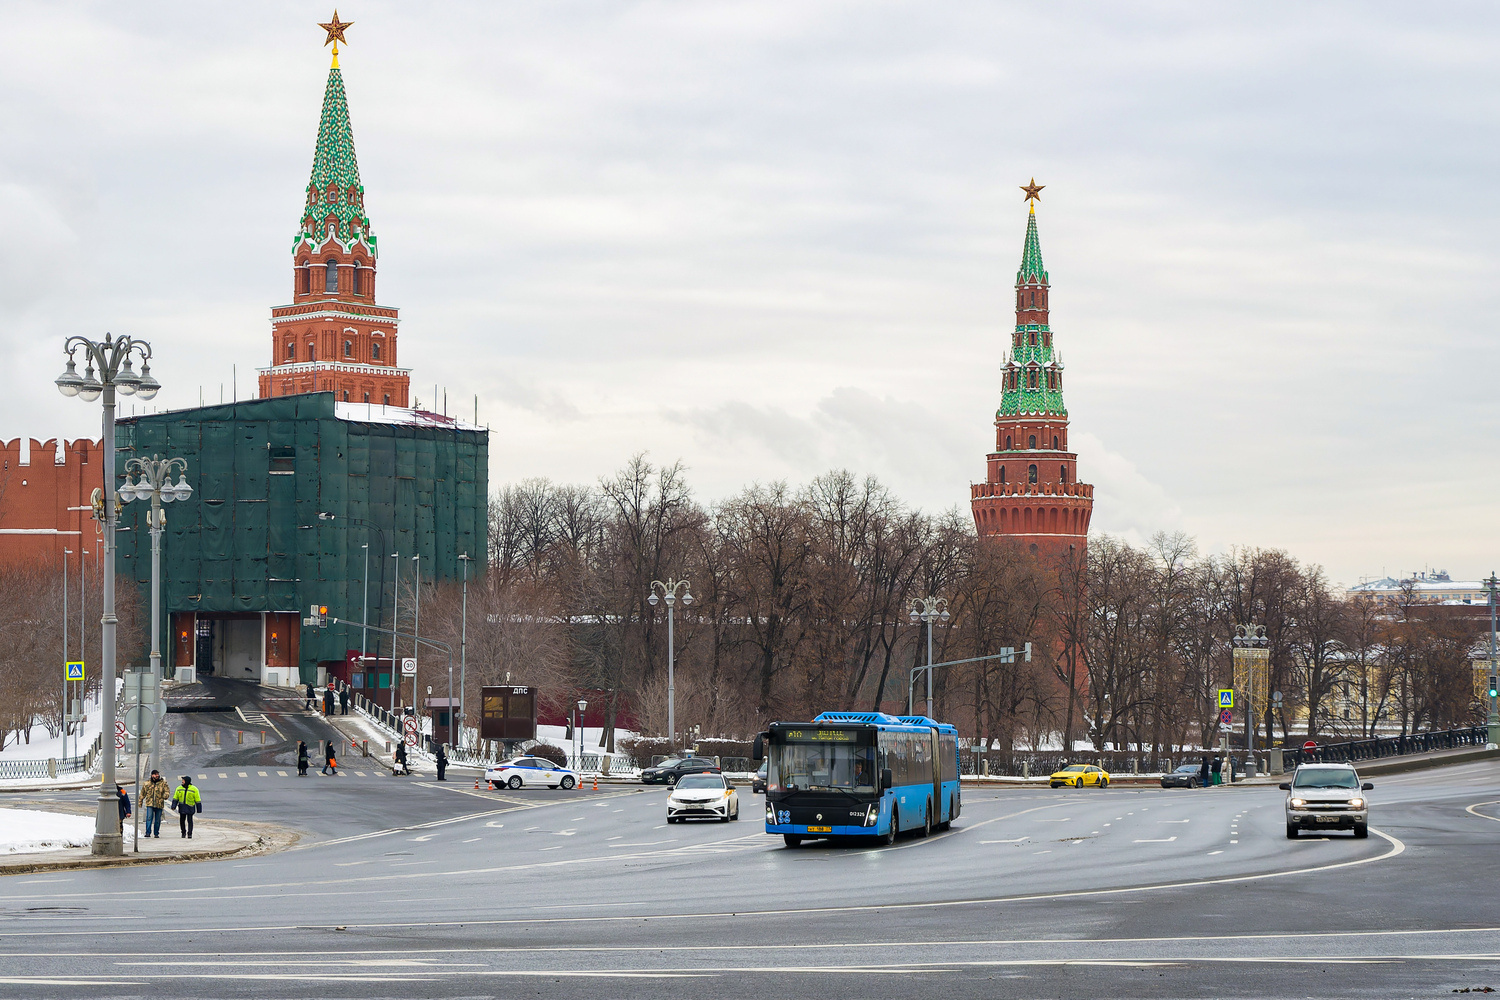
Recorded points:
336,29
1033,190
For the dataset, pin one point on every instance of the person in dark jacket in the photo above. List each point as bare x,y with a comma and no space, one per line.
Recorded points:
330,763
311,697
328,700
301,758
1215,768
124,805
442,762
343,699
402,767
1203,772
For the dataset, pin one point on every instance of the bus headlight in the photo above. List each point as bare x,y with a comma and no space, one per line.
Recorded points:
770,814
872,814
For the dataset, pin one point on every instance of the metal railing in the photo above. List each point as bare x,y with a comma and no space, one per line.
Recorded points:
1385,746
52,767
1023,764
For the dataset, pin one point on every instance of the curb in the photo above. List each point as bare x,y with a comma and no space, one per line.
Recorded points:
259,846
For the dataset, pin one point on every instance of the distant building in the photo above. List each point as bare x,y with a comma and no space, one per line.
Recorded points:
1031,490
290,495
1435,585
332,336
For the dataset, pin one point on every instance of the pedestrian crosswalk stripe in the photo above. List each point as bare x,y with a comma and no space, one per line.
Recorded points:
359,774
261,773
221,774
282,773
244,775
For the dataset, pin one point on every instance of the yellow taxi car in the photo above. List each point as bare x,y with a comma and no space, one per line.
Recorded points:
1079,775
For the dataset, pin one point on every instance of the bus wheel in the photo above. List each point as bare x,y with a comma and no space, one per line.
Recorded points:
927,822
791,841
890,834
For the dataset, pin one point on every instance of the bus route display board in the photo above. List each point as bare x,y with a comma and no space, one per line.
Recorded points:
507,712
820,735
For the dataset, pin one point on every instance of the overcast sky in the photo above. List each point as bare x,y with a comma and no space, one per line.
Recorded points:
770,239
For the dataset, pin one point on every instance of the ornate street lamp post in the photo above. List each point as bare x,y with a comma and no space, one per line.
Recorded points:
108,366
928,609
1251,665
669,593
156,484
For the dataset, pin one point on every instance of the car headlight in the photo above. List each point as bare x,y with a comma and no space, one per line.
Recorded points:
1356,803
1298,803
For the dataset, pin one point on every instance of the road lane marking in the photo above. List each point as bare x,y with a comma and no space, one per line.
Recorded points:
1472,810
1212,853
471,840
1016,841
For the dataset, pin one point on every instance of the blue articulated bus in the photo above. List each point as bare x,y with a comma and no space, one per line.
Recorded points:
859,774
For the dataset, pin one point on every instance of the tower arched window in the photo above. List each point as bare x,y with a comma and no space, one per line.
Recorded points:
1054,442
1031,473
291,351
348,348
304,277
1031,443
1033,340
375,351
1002,473
367,397
356,279
331,276
310,356
1062,476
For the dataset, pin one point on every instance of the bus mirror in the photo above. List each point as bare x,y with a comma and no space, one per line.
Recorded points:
758,749
885,778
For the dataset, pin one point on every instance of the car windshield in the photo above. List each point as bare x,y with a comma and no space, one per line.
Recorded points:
701,781
1330,778
669,762
1187,768
1075,767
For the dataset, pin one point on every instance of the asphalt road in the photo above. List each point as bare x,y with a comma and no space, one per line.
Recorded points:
410,888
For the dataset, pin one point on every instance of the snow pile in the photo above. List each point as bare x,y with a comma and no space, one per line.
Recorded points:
27,831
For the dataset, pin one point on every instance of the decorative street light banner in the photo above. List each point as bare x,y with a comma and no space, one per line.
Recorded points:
1251,674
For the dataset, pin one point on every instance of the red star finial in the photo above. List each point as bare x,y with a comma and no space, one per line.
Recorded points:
335,29
1033,190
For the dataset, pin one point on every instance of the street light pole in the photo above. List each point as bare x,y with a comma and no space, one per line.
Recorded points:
396,625
416,626
1250,643
114,357
364,614
156,483
463,648
669,592
1493,586
66,552
929,609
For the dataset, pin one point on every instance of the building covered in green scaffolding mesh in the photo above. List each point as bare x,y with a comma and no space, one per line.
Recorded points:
291,495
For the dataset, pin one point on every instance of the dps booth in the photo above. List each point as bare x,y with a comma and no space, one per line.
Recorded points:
507,714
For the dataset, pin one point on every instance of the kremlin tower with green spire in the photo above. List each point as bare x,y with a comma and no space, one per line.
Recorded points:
332,337
1031,492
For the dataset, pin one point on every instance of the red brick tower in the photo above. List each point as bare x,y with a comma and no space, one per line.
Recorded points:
1032,492
333,337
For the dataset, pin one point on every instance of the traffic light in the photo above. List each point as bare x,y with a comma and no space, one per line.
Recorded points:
1493,690
317,615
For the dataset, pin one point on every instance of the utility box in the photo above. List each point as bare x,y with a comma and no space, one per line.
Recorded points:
1274,762
507,712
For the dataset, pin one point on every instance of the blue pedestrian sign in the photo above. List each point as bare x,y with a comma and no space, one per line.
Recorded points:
1226,698
74,670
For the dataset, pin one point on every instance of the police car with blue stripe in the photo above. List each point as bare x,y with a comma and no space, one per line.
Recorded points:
520,771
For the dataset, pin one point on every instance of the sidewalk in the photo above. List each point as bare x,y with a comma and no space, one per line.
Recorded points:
216,838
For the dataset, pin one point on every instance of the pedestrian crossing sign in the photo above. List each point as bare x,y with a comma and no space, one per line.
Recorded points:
74,670
1226,698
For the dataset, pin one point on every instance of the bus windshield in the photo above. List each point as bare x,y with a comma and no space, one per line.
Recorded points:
821,767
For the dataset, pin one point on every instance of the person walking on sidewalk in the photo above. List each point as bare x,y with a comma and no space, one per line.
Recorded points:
301,758
442,761
124,805
153,799
330,763
188,803
343,699
310,696
401,766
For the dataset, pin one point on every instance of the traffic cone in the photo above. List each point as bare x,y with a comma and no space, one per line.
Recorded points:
596,782
476,784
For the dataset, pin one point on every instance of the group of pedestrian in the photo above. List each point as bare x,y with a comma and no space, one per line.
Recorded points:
1211,770
335,694
330,761
186,801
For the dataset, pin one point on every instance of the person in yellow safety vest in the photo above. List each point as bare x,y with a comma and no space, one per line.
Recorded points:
187,801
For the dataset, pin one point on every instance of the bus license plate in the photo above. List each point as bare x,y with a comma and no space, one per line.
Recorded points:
820,829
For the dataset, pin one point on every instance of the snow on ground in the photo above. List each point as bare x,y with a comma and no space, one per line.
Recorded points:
29,831
43,746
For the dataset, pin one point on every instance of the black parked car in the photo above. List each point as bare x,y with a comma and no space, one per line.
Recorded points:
1186,776
669,770
758,783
